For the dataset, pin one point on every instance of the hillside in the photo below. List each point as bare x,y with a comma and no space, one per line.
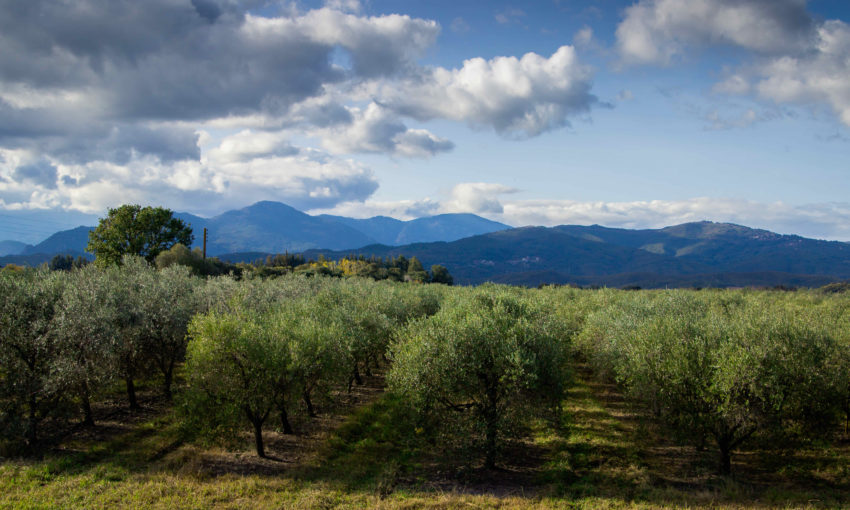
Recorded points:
12,247
71,242
689,255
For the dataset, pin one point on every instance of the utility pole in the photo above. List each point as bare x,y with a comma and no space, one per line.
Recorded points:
205,243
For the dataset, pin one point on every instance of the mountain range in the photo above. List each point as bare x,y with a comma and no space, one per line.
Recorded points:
700,254
475,250
274,227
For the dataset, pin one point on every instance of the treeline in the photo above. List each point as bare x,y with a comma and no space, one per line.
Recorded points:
397,269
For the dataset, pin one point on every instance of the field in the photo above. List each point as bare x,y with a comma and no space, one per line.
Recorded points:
490,397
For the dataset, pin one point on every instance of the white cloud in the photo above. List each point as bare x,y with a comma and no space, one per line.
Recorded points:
477,198
656,31
247,145
584,37
515,96
820,220
375,129
196,104
225,179
821,75
796,59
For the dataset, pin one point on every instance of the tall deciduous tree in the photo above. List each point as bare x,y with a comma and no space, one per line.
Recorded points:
137,230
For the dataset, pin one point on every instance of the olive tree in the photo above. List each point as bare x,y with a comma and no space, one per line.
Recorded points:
488,357
720,365
32,387
234,366
318,358
88,329
167,301
364,330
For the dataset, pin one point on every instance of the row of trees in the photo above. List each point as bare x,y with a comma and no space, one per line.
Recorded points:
726,366
278,346
65,336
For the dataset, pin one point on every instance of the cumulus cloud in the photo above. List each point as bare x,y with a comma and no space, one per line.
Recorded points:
227,178
121,62
108,101
821,75
797,59
206,103
375,129
477,197
247,145
515,96
656,31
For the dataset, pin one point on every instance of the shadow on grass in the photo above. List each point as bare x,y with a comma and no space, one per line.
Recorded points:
617,452
602,450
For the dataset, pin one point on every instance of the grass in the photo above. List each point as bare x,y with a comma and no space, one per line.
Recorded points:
604,454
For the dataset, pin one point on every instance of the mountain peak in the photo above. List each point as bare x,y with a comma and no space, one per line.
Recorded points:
713,230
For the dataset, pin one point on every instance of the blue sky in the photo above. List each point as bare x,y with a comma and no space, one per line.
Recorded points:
637,114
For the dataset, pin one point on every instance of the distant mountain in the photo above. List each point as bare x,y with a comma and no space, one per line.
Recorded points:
12,248
728,247
695,254
699,254
274,227
443,227
447,227
381,229
72,242
529,249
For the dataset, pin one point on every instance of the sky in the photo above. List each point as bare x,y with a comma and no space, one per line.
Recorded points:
635,114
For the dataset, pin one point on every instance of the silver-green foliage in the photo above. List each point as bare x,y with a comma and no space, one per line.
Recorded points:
483,363
723,365
234,367
32,386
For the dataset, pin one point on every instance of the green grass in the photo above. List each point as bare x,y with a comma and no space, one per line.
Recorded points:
603,455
